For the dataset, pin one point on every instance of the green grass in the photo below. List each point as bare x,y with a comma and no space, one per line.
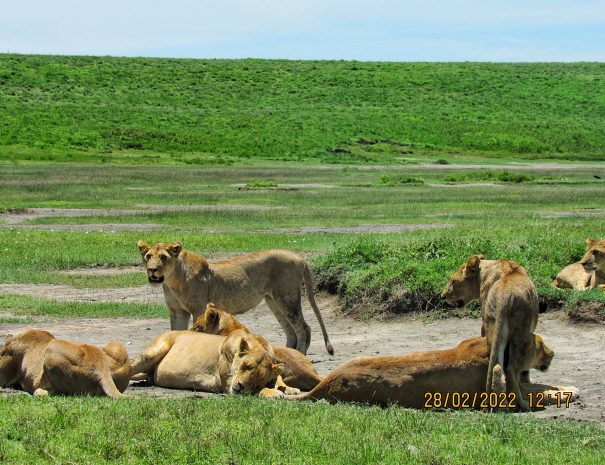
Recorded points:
375,276
205,112
243,430
30,307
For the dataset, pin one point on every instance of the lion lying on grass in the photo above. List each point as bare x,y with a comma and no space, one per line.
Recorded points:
298,371
414,380
588,273
42,365
239,284
509,311
239,363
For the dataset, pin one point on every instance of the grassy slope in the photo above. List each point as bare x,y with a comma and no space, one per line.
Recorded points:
247,430
203,111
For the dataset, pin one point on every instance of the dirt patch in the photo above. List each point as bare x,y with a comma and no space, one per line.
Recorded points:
587,312
465,184
94,227
34,213
101,270
572,214
306,185
514,166
364,228
579,361
63,293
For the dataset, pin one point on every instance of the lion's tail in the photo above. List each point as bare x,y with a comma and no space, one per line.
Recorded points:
309,287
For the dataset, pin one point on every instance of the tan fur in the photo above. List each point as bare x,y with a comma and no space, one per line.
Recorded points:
205,362
43,365
593,262
239,284
406,379
509,308
587,273
299,371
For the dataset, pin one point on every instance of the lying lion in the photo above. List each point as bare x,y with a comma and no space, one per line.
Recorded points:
239,284
42,365
239,363
588,273
414,380
509,311
298,371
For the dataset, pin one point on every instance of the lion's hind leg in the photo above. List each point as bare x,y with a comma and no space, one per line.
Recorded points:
152,356
516,353
276,309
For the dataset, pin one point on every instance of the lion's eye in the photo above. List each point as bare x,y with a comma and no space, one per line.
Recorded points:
148,257
163,258
246,367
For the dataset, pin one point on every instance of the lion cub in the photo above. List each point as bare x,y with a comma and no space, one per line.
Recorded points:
509,307
588,273
43,365
298,372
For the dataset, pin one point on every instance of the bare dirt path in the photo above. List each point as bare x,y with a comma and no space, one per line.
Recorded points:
579,361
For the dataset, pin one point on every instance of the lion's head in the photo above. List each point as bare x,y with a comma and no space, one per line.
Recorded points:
463,286
248,366
217,321
594,258
159,259
539,355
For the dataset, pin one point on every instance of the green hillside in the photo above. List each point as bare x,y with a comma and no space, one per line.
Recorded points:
208,111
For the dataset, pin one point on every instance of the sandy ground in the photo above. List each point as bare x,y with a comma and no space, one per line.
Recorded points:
579,361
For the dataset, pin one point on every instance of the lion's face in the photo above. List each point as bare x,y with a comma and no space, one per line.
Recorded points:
159,259
463,286
594,258
215,321
252,368
543,355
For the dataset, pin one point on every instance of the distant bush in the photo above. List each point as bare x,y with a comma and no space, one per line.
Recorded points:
388,180
442,161
490,176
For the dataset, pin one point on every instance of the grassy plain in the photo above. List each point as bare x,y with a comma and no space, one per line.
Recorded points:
239,430
283,151
539,215
221,111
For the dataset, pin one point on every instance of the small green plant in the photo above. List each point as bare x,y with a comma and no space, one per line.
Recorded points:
388,180
442,161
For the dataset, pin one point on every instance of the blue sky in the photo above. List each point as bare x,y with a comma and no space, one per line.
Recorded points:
384,30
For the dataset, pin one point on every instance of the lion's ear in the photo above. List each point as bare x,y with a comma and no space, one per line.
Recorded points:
211,314
590,242
472,264
278,368
174,248
243,346
143,247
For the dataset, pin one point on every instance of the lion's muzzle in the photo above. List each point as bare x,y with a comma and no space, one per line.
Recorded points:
155,279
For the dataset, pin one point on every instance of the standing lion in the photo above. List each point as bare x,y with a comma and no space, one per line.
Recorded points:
238,284
509,308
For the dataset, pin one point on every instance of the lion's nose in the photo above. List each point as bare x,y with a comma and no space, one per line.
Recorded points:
237,387
152,270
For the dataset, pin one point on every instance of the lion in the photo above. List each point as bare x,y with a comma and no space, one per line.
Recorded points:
183,359
509,308
239,284
298,372
594,261
413,380
588,273
42,365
